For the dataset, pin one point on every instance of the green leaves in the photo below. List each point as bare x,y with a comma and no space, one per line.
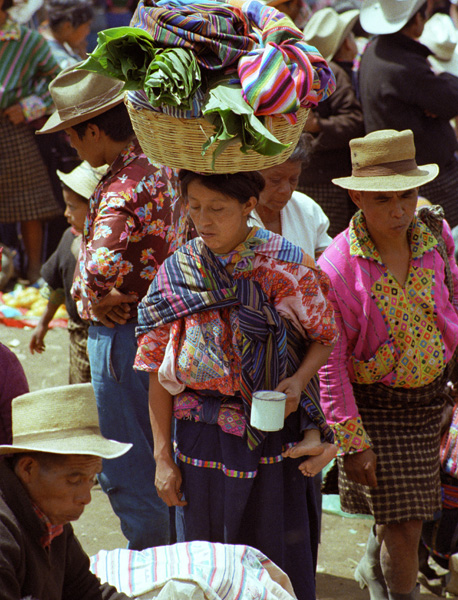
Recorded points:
122,53
233,118
173,78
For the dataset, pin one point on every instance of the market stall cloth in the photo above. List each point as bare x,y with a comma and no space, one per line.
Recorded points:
24,306
198,570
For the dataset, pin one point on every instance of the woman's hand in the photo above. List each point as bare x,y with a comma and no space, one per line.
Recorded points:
292,387
168,482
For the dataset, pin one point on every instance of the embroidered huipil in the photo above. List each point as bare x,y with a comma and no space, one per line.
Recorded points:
205,351
398,336
131,226
27,67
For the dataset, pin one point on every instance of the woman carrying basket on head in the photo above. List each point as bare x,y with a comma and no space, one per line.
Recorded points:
236,310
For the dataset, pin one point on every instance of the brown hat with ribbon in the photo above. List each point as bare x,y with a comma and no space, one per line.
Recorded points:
79,95
384,161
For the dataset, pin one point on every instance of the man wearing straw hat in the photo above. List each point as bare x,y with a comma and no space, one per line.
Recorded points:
128,232
398,90
395,293
45,482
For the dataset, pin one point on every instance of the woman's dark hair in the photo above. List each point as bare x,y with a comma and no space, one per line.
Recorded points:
7,4
115,123
303,150
240,186
76,12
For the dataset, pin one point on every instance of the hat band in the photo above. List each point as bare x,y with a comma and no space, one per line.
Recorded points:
390,168
89,105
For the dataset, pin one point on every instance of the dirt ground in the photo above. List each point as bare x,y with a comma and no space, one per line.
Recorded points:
342,541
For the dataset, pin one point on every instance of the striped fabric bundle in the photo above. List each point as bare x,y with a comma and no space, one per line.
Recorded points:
217,33
193,570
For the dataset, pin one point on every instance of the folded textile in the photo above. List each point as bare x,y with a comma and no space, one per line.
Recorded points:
123,53
233,117
217,571
217,33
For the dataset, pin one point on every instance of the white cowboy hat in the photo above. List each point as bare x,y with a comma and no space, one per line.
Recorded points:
387,16
327,29
83,179
441,37
60,420
384,161
79,95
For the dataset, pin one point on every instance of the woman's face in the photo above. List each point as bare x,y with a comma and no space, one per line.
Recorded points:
221,221
280,183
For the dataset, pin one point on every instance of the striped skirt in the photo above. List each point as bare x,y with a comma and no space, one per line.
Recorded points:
25,188
404,427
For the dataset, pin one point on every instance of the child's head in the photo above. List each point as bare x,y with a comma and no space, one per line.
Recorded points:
70,20
77,187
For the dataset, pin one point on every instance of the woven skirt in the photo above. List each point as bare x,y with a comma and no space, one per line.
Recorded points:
404,427
25,188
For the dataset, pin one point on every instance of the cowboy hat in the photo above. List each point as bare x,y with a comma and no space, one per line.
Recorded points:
387,16
384,161
79,95
60,420
83,179
441,37
326,30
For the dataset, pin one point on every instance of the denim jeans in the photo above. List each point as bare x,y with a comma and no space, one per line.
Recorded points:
122,403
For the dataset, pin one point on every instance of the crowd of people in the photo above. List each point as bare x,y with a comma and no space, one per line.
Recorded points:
319,277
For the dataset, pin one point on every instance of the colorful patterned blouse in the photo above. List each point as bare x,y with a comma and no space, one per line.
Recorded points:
398,336
204,352
27,67
133,224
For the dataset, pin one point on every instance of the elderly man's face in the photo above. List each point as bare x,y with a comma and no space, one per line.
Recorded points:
60,489
388,214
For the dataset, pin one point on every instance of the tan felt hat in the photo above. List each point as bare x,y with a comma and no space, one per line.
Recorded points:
326,30
384,161
60,420
79,95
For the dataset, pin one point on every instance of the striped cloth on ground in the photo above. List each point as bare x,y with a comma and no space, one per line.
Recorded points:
220,571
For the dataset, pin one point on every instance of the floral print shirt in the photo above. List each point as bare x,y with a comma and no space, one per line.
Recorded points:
133,223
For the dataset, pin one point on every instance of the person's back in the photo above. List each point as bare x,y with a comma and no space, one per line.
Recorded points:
399,90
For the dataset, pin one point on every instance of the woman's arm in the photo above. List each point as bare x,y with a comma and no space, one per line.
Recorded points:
168,476
316,356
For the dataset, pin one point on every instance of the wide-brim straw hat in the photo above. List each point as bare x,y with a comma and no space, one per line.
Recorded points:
384,161
327,29
387,16
83,179
60,420
79,95
441,37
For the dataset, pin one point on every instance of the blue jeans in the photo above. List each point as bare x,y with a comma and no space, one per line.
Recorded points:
122,403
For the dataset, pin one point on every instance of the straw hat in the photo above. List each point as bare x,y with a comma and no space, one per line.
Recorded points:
441,37
79,95
60,420
384,161
83,179
387,16
326,30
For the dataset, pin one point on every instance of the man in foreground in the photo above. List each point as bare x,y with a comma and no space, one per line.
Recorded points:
45,482
394,288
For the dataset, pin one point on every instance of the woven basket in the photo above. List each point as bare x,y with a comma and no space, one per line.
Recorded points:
178,143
